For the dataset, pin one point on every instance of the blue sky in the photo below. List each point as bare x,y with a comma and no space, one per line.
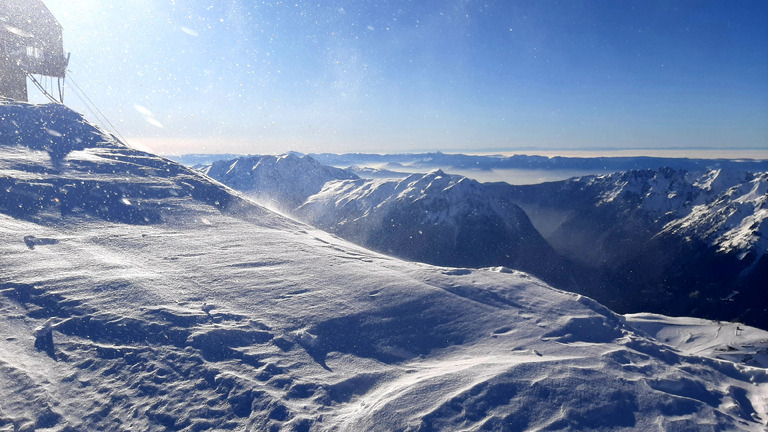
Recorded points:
181,76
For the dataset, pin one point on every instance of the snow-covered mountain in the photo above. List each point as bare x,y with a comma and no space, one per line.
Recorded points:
435,218
136,294
286,180
729,212
665,241
681,242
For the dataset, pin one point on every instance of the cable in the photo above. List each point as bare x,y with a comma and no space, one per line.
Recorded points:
89,105
42,88
85,104
104,117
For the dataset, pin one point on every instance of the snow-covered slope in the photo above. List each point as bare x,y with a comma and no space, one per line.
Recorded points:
686,242
207,312
730,213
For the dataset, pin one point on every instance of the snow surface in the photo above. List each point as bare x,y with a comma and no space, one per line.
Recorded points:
434,205
372,200
204,311
736,219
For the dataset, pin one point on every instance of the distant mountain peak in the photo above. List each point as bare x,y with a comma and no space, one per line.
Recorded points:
291,176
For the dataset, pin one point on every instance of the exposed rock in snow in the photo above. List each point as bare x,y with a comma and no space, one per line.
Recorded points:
204,311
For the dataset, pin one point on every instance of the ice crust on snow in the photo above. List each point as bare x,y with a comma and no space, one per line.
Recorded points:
216,314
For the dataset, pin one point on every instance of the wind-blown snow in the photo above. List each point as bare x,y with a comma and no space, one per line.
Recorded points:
168,302
290,177
435,218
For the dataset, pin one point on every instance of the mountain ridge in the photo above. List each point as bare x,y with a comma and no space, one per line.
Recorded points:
664,240
532,162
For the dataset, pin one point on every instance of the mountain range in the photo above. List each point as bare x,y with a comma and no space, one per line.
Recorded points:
451,161
435,218
665,240
424,162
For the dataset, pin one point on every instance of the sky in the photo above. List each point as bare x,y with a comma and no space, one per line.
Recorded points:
236,76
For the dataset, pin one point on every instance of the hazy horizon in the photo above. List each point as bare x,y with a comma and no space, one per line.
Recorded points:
759,154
